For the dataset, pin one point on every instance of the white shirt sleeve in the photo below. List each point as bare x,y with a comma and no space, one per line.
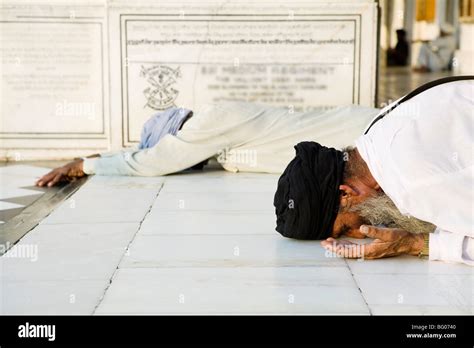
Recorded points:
451,247
170,155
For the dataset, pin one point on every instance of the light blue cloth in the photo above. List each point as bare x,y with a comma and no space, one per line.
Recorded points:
160,124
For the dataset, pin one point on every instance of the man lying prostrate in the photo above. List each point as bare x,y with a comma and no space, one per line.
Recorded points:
411,171
242,136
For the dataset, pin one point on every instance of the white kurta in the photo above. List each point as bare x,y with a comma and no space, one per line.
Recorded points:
421,154
438,54
242,136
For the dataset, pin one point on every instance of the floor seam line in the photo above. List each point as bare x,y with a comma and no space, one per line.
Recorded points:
358,287
127,249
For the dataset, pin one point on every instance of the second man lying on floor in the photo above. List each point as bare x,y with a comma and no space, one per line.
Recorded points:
243,137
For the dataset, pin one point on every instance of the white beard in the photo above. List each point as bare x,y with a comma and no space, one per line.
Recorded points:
380,210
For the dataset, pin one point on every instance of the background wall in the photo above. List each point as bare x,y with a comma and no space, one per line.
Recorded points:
81,77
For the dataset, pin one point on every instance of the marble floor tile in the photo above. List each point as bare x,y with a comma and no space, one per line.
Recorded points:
13,191
265,290
123,182
208,222
223,184
12,181
215,201
213,172
104,205
24,170
455,293
51,297
8,205
67,252
226,251
24,199
17,188
408,265
401,309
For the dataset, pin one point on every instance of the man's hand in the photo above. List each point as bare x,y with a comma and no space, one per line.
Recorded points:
68,172
387,242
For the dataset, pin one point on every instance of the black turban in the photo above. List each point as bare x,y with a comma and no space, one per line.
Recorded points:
307,198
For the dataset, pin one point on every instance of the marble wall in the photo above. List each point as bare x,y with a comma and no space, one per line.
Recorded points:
82,77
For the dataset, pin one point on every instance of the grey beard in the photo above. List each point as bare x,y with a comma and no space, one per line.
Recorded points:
380,210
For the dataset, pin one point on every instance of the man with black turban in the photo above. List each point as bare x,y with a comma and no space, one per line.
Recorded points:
316,171
411,171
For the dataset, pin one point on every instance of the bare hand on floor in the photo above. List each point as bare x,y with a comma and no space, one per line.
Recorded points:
68,172
387,242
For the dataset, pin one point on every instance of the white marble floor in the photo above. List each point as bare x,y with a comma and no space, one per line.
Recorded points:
17,188
204,243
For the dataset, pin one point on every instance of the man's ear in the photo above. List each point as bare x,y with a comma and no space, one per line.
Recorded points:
347,192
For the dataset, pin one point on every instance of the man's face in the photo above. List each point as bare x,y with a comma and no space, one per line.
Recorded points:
376,209
347,221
